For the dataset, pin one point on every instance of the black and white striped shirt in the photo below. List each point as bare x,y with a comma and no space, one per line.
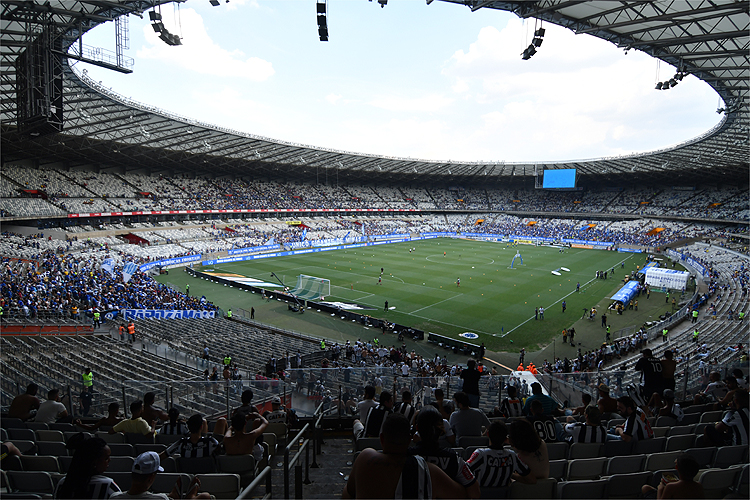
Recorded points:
206,446
511,408
583,433
737,421
415,480
179,428
406,410
494,468
448,460
637,426
99,487
375,419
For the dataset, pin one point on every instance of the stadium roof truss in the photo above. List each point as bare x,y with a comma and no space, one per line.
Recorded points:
707,39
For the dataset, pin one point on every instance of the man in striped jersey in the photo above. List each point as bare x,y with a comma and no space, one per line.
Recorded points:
636,427
592,431
734,423
495,466
511,406
405,407
196,445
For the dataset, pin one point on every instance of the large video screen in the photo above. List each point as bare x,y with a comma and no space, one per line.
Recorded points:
559,179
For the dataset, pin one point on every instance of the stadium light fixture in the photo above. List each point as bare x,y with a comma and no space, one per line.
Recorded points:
321,8
215,3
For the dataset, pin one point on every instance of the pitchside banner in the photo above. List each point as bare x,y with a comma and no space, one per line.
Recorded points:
262,248
160,314
170,262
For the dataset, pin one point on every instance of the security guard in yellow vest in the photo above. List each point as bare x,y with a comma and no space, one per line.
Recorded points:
229,314
88,379
322,345
97,319
227,360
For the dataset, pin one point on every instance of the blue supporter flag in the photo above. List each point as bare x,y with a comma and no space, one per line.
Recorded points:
109,266
128,271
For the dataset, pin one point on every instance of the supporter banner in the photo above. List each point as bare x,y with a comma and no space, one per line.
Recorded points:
577,245
438,233
161,314
482,235
242,211
631,250
261,248
385,236
171,262
675,255
588,242
213,262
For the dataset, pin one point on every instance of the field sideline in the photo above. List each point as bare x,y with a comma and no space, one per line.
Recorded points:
493,300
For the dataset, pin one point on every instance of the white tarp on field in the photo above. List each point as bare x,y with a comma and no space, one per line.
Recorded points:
666,278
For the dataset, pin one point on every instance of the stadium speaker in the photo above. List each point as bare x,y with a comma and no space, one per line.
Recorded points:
39,86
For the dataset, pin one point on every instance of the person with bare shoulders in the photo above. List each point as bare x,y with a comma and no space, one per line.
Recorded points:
683,486
151,412
109,421
239,442
24,406
393,473
529,447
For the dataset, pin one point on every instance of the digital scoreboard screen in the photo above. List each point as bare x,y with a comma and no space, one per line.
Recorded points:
559,179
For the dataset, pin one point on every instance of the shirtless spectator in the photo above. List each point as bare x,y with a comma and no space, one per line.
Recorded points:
104,423
683,486
239,442
151,412
393,473
25,405
247,407
529,447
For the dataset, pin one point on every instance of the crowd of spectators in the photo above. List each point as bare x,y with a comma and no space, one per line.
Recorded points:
81,192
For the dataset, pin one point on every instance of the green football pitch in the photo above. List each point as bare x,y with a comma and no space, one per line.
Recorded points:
493,300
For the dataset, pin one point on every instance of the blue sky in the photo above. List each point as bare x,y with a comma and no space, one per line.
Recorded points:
412,80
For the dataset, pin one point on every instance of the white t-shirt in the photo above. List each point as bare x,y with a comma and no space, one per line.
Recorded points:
364,407
48,411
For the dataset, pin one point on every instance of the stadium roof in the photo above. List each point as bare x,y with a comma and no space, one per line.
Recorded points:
708,39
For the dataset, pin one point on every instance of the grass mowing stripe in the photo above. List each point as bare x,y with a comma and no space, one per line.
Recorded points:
494,301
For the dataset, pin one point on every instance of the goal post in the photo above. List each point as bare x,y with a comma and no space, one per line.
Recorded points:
312,287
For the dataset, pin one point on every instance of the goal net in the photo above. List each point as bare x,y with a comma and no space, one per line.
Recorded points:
311,287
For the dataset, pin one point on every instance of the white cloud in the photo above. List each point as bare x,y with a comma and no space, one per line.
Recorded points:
333,98
199,53
426,103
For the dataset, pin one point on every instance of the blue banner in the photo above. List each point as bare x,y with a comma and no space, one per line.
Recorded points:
170,262
262,248
128,314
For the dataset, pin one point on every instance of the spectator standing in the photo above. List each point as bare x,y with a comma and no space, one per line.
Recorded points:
405,407
373,425
471,377
668,367
651,370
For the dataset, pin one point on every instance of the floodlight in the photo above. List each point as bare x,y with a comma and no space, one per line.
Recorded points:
531,49
539,32
537,42
215,3
658,86
158,27
154,16
672,82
